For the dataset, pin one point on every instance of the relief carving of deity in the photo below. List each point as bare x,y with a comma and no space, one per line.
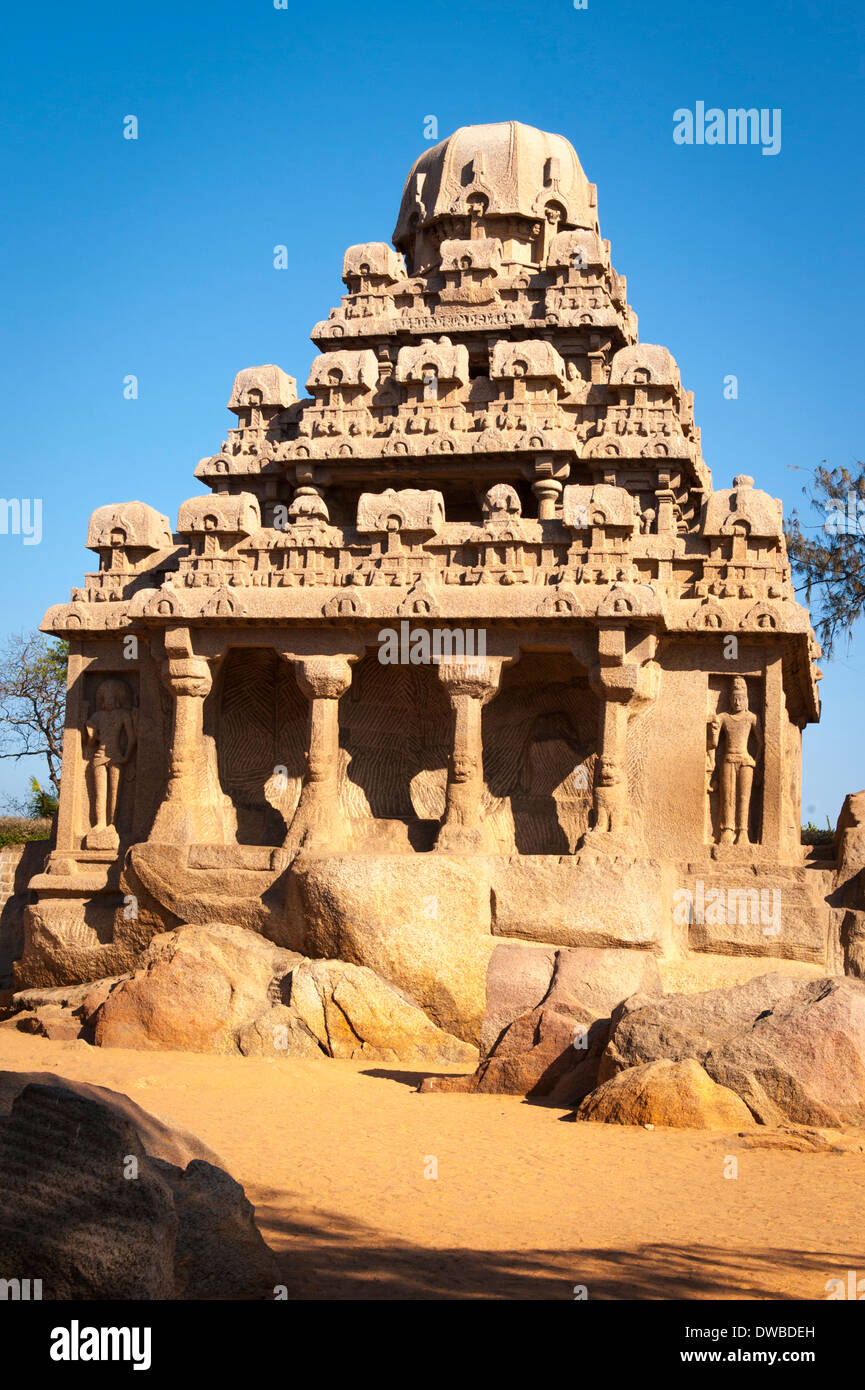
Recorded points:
734,733
110,736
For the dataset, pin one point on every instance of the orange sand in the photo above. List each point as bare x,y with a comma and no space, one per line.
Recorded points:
526,1204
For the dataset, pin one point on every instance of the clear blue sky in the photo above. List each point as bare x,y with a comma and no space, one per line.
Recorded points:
260,126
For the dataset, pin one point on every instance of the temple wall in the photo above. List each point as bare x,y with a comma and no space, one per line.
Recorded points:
667,764
540,738
18,863
263,748
10,858
669,773
143,778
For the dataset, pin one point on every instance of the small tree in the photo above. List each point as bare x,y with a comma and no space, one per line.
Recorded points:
829,558
33,701
43,803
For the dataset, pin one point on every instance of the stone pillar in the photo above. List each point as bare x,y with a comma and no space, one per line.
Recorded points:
774,833
547,491
547,485
614,687
666,518
194,809
622,681
470,685
613,720
318,823
74,802
597,358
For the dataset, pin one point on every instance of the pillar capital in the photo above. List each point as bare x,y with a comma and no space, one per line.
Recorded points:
623,680
620,673
476,677
194,810
547,491
470,684
188,675
319,823
615,682
323,677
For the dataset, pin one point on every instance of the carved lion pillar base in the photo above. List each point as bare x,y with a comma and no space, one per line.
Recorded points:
194,809
470,685
319,823
623,682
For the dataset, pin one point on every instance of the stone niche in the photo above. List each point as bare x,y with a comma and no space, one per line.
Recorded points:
260,716
110,746
462,646
735,781
540,748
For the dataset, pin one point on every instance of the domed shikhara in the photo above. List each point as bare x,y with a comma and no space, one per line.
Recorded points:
494,180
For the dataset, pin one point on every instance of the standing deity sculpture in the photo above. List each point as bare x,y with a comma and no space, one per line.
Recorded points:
110,736
737,727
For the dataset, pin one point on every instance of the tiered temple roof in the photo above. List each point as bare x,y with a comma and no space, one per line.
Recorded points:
484,437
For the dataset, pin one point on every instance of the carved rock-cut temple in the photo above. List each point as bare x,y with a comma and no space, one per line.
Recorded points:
461,647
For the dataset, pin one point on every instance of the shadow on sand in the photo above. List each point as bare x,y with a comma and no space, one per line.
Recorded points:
336,1258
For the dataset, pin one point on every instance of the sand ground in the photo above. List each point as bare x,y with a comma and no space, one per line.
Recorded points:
338,1158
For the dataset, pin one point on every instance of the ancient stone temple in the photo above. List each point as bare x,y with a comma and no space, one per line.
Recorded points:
462,647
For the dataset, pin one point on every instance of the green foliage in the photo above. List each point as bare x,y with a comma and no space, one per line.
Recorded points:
828,558
42,803
814,835
33,700
15,830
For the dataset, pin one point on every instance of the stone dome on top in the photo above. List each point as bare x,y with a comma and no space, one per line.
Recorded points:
487,172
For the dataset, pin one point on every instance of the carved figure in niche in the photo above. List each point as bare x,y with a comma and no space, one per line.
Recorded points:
110,736
737,767
611,797
500,505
